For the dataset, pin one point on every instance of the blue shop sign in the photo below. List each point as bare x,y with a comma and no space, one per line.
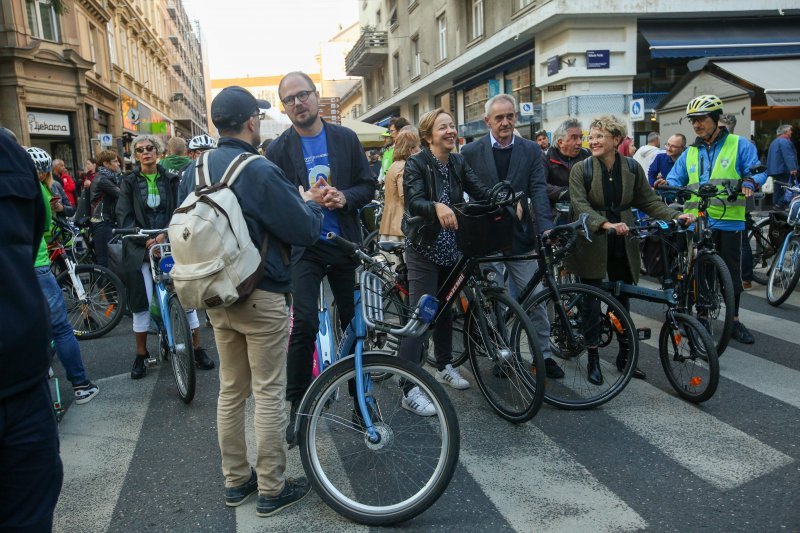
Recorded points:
597,59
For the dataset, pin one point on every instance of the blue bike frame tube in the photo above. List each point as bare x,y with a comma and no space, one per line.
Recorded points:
360,328
163,304
783,250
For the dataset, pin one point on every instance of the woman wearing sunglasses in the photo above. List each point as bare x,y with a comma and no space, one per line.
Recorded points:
147,198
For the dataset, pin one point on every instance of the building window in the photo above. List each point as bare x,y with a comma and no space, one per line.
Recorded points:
381,84
519,84
126,60
42,19
392,14
415,113
396,71
416,62
476,19
135,60
474,102
441,23
112,44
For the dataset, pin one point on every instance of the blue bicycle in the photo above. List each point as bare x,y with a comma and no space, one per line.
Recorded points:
174,334
785,271
365,452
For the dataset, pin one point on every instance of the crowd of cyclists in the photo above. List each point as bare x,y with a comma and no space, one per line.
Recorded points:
314,180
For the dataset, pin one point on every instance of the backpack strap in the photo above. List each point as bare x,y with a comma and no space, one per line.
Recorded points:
201,179
236,167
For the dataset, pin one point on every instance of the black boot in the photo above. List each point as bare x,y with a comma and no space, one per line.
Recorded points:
139,369
594,375
202,360
622,360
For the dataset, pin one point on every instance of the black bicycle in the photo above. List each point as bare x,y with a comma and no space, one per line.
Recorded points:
708,294
560,309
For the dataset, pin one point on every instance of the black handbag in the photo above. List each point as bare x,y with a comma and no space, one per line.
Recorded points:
486,227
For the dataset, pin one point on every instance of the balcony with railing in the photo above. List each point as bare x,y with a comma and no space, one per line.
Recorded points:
369,53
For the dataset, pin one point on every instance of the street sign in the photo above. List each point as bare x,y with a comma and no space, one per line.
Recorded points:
526,109
597,59
329,110
637,109
106,139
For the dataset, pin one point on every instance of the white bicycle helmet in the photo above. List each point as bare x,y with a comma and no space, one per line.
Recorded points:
202,142
42,160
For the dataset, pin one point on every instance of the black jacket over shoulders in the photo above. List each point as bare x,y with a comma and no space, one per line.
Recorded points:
24,336
349,170
526,175
422,187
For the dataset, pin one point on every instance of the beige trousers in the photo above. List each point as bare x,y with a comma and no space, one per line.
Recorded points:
251,337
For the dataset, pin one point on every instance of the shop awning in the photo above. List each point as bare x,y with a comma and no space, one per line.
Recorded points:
778,78
721,38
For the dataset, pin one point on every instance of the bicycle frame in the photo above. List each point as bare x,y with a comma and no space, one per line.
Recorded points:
785,245
325,347
159,271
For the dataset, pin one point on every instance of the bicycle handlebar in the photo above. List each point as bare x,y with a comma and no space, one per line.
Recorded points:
137,232
569,232
791,187
350,247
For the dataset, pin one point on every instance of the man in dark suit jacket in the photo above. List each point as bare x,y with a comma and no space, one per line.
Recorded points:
502,156
329,162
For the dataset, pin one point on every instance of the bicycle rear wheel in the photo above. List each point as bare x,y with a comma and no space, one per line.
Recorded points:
762,250
785,273
712,296
689,358
504,354
101,308
616,336
406,471
182,357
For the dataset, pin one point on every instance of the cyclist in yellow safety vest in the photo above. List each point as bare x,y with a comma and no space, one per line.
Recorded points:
716,157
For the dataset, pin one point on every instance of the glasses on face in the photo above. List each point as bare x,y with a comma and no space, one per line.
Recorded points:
142,149
302,96
693,120
259,115
597,138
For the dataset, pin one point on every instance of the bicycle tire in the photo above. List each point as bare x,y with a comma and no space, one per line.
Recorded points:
102,308
762,250
782,281
713,294
504,355
182,356
573,391
370,242
343,467
694,376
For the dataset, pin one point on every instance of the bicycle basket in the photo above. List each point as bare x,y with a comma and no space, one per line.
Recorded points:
392,316
483,228
793,214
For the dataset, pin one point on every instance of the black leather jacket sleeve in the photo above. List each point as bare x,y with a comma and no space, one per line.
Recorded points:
417,188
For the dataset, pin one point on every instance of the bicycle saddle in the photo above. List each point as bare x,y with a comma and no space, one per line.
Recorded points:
391,246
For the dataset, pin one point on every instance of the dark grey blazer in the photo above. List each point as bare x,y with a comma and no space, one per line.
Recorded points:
526,175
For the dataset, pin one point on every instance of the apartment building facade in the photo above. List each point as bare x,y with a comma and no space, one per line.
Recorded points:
562,59
96,74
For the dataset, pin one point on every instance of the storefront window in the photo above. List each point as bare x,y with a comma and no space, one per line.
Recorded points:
42,19
474,102
520,85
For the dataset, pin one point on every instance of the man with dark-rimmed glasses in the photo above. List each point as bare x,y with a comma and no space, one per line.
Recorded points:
328,161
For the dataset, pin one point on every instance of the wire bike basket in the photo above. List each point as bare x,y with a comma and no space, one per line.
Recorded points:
399,320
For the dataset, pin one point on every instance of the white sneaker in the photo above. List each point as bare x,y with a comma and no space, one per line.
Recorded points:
452,377
418,403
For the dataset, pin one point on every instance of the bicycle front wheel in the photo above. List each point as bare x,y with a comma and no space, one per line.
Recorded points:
182,356
613,331
402,474
101,308
505,356
785,273
711,289
689,358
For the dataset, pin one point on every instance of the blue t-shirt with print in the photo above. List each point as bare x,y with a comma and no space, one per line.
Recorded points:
315,154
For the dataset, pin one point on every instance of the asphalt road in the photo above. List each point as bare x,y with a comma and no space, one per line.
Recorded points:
137,459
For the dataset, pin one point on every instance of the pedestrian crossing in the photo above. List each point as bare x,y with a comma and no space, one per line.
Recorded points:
646,460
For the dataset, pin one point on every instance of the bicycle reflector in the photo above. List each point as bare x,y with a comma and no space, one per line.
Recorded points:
166,264
428,305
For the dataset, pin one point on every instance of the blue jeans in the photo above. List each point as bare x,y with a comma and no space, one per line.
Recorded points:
63,335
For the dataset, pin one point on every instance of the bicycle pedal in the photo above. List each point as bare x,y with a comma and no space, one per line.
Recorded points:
151,362
643,333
